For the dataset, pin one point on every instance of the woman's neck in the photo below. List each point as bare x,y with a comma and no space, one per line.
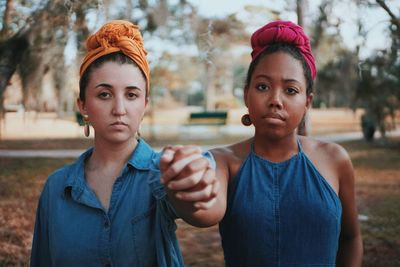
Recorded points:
276,150
107,154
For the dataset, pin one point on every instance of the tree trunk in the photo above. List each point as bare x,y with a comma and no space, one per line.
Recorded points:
300,13
303,128
11,52
10,56
209,86
6,20
34,45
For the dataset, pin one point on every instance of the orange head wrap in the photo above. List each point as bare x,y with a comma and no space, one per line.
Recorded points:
117,36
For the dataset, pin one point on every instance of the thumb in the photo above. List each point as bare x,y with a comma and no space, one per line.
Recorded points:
166,158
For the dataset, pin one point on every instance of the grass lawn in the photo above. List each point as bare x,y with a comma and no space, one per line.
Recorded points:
377,187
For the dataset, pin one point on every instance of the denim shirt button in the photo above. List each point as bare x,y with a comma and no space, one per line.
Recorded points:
106,225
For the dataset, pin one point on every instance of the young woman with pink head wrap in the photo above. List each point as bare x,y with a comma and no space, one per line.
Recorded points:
109,208
285,199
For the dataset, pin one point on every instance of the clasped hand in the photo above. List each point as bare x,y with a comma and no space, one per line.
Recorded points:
188,176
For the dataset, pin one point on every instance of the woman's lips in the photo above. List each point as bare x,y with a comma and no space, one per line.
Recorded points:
275,116
119,125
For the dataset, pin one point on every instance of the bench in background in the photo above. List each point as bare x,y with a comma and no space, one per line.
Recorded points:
205,124
208,118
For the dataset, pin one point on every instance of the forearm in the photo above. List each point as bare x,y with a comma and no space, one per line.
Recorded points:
198,217
350,252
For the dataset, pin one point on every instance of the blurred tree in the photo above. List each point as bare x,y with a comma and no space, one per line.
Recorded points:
180,24
4,33
300,12
337,80
10,56
394,19
41,31
215,39
378,90
172,78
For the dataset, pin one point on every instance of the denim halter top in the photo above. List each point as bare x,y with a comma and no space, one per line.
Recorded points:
280,214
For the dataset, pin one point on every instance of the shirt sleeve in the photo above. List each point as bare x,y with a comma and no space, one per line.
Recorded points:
208,155
40,255
159,193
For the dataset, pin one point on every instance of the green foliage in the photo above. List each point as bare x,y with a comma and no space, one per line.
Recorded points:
196,98
337,81
378,90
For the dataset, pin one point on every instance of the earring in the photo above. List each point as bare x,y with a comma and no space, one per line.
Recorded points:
86,128
246,121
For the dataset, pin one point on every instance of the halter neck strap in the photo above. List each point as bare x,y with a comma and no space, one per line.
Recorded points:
299,146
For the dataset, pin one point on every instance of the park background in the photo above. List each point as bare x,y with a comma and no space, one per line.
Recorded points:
198,53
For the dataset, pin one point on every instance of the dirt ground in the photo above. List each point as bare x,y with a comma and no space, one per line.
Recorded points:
377,189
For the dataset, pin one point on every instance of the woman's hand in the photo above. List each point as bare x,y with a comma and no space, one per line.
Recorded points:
188,176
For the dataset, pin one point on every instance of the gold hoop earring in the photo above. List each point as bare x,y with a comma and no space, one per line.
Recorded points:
86,128
246,121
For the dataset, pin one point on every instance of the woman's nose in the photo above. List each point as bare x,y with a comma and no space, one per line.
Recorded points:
119,106
275,99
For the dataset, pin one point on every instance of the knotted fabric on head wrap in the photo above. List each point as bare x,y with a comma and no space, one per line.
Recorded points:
283,32
117,36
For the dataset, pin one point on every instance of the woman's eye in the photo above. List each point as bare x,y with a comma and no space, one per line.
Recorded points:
262,87
132,95
292,91
104,95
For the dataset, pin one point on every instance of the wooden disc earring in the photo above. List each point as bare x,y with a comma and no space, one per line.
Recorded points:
246,121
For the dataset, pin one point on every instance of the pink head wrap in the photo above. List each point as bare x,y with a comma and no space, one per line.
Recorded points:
283,32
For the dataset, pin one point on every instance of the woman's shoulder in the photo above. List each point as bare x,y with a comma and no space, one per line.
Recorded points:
331,160
235,152
56,183
321,148
230,158
60,175
66,174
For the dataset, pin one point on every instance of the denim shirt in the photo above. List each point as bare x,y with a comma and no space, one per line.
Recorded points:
73,229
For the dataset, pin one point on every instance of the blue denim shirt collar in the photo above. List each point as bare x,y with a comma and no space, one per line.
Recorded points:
141,159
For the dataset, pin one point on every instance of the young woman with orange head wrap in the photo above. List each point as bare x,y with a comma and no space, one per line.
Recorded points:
109,208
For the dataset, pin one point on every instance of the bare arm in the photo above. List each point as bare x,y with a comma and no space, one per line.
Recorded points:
350,243
197,195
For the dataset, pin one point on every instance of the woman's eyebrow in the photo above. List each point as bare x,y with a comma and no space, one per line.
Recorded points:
133,87
263,76
130,87
292,80
270,78
104,85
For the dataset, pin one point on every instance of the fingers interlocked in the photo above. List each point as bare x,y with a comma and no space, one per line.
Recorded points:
187,173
